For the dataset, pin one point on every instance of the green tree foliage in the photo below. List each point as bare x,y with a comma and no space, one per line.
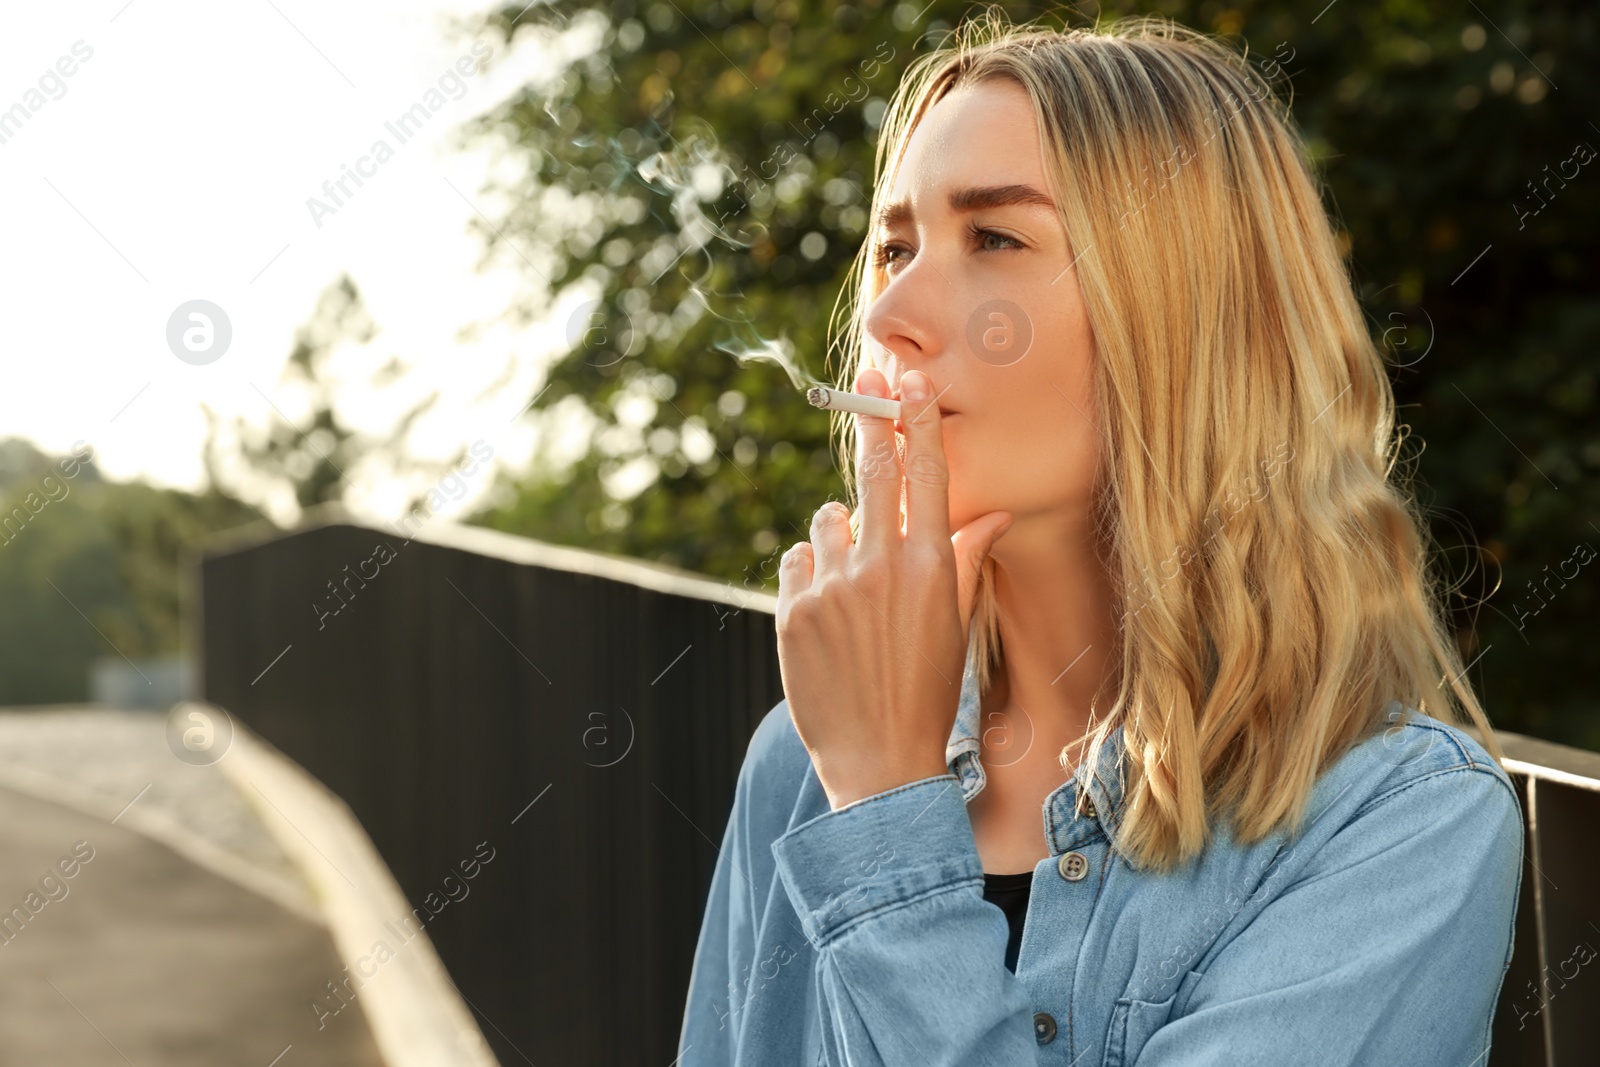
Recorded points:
700,171
90,568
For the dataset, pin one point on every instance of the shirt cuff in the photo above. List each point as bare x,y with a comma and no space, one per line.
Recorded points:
879,853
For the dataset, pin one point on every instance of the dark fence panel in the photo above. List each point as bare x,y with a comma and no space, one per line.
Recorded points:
585,717
456,685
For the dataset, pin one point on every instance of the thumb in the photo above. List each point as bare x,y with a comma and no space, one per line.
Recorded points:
972,544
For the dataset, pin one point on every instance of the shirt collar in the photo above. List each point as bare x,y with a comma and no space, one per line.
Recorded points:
1063,828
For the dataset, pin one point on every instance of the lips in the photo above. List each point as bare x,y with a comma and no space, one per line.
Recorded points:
916,405
911,412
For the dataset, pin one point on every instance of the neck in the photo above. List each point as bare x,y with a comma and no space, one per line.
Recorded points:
1059,633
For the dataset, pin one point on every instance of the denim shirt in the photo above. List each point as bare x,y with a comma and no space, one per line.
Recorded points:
1381,935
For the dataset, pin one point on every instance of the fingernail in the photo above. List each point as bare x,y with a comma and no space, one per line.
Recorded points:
914,386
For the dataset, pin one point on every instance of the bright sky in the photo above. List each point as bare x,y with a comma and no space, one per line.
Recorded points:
174,164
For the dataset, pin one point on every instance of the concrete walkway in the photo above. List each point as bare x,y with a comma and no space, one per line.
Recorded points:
184,935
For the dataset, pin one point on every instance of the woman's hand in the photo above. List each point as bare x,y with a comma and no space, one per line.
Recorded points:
872,636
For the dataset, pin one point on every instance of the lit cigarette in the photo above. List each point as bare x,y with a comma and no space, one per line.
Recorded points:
839,400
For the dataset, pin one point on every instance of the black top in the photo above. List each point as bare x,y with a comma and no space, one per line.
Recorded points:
1009,893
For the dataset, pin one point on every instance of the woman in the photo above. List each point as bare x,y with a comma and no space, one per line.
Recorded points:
1136,520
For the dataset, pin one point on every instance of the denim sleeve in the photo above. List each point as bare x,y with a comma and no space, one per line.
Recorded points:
1389,946
710,1016
726,947
885,888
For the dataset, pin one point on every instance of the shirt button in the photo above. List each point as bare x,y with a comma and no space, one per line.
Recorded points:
1088,807
1044,1027
1073,866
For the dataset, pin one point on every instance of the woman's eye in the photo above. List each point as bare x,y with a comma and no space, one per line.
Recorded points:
990,241
891,254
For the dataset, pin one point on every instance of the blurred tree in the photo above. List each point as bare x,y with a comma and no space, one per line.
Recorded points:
90,568
310,458
95,569
698,172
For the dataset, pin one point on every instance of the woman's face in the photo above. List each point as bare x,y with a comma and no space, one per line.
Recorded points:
976,288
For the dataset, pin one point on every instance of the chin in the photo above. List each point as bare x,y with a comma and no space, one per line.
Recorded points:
960,516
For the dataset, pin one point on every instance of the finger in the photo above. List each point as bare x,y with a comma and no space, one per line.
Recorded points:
795,572
927,475
878,471
830,538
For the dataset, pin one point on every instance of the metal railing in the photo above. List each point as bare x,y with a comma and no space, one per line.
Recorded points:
584,716
581,716
1549,1010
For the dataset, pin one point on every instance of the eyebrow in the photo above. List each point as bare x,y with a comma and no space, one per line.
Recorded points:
972,198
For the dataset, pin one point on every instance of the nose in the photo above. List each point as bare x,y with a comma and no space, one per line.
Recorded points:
902,322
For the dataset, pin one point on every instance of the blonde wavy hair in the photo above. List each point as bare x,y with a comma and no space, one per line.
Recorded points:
1270,650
